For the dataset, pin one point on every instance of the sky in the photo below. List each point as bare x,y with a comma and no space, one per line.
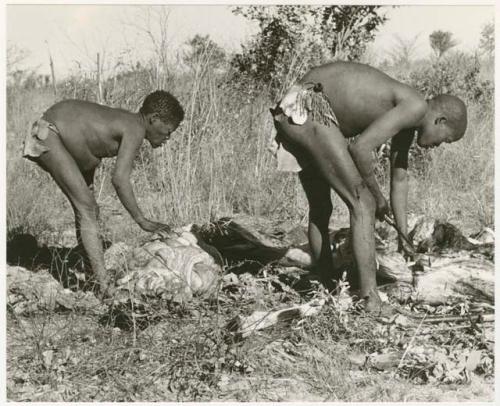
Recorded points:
77,32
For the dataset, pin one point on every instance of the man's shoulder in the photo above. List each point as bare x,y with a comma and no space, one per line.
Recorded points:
79,111
74,103
74,108
79,104
350,72
409,95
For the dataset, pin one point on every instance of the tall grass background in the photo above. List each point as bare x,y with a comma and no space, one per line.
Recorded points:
218,163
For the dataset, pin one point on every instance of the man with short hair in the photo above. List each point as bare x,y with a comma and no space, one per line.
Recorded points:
341,100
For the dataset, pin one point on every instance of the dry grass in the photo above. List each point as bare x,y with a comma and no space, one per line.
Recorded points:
218,164
186,356
458,186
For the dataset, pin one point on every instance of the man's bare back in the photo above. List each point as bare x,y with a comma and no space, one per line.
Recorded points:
90,131
359,94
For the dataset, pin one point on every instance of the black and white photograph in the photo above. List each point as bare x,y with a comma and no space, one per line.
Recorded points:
249,202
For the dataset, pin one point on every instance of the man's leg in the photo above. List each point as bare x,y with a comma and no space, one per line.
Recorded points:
64,170
328,149
80,249
89,181
320,209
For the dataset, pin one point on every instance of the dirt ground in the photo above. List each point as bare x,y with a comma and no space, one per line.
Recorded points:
80,356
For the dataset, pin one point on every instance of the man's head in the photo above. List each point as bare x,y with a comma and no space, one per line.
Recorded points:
162,114
445,121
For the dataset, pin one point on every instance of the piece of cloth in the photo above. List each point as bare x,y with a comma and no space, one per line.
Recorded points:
297,103
34,142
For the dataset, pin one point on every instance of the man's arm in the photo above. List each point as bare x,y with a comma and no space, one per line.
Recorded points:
121,182
400,146
404,115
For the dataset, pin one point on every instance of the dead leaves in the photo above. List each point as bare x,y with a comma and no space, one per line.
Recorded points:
431,364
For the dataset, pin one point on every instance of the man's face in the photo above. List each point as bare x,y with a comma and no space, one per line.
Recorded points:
433,133
158,132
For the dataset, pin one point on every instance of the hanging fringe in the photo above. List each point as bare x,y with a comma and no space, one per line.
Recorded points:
316,102
310,99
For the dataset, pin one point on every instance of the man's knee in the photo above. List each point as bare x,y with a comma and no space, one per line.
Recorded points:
361,199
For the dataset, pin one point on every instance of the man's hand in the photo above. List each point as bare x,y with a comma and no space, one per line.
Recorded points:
154,227
382,209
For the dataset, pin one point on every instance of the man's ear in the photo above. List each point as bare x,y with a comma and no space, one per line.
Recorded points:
153,117
440,120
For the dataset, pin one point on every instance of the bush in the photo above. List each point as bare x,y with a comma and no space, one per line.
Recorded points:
457,74
295,38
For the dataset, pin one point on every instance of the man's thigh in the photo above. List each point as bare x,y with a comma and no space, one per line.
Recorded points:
66,173
317,189
326,148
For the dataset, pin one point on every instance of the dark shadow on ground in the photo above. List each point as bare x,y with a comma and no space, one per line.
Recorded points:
24,250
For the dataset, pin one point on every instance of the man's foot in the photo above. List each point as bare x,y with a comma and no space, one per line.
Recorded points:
372,304
105,289
376,308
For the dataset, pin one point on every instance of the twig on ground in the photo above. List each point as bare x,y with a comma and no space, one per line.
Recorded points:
409,345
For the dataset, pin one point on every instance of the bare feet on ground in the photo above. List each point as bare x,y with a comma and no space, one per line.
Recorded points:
374,305
106,288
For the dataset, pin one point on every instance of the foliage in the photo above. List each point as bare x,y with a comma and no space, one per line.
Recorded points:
358,23
294,38
487,41
403,52
18,74
441,41
203,48
16,56
458,74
